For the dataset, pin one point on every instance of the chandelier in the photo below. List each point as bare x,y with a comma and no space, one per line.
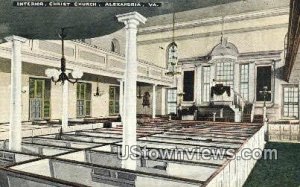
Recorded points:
62,75
172,50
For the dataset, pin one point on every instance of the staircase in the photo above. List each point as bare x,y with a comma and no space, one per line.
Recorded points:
258,119
248,114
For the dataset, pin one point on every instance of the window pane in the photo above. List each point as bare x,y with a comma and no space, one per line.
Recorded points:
31,88
172,101
206,84
88,91
46,108
47,89
39,88
82,90
290,101
114,100
244,81
224,72
88,108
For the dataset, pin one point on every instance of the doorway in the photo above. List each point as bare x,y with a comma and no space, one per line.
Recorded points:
114,92
263,79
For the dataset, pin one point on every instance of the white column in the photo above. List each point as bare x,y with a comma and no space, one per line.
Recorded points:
163,101
180,80
198,91
65,106
131,21
15,128
121,96
252,84
154,101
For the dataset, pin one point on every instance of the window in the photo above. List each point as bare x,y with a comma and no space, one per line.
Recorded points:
114,92
115,46
39,98
244,81
172,101
206,84
188,86
172,56
290,101
225,73
84,91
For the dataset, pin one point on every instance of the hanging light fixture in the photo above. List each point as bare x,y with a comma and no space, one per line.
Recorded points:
98,93
62,75
223,38
173,56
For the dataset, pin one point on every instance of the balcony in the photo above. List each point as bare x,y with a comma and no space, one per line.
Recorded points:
90,59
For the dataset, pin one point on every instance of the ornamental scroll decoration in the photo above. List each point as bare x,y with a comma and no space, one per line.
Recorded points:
220,89
146,99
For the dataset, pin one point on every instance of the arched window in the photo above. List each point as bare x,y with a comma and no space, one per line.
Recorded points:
224,71
115,46
224,56
172,55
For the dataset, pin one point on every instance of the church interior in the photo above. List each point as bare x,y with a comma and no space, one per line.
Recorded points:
81,87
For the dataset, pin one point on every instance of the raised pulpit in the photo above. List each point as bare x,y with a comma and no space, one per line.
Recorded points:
221,95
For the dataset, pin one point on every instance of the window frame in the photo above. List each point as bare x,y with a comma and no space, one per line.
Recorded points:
44,97
243,80
206,82
83,99
221,73
114,101
288,103
172,102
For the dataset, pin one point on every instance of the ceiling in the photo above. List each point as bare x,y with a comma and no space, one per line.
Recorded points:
83,22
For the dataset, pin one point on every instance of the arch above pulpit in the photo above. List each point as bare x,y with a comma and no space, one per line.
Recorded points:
224,49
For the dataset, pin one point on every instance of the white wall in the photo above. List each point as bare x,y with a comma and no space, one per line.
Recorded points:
148,110
99,105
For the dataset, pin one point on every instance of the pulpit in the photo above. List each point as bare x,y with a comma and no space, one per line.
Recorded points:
221,95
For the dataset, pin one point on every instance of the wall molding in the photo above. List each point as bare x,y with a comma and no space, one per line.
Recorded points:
212,34
215,20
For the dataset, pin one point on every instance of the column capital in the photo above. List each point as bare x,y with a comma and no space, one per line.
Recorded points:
131,18
154,85
14,37
120,80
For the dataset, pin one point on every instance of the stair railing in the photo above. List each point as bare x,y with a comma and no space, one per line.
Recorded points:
238,100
